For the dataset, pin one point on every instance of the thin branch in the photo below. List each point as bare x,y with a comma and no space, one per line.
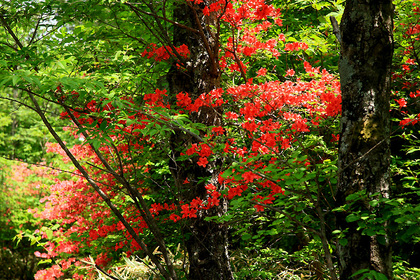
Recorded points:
278,210
49,32
160,36
10,46
131,5
237,60
264,176
18,102
105,273
105,197
143,209
122,31
35,31
203,37
168,275
10,31
324,241
43,165
171,125
119,159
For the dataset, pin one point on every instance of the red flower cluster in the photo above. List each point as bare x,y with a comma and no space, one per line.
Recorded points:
165,52
155,99
296,46
260,122
203,150
212,99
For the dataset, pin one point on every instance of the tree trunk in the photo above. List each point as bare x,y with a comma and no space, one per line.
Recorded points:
207,242
364,149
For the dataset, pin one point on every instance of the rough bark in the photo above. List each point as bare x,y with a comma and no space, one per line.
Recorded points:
207,242
364,149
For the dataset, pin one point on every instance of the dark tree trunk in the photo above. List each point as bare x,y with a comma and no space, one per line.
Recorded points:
207,242
364,151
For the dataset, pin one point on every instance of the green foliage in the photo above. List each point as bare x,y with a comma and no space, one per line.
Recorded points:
309,21
131,268
22,135
402,270
254,261
369,274
21,188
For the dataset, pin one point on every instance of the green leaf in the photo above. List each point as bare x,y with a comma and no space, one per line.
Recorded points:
353,196
4,81
380,276
343,241
352,218
103,125
37,81
45,261
369,232
298,175
246,236
49,233
15,79
412,150
272,231
360,272
95,143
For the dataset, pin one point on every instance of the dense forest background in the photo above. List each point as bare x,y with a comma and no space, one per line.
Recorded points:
205,140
